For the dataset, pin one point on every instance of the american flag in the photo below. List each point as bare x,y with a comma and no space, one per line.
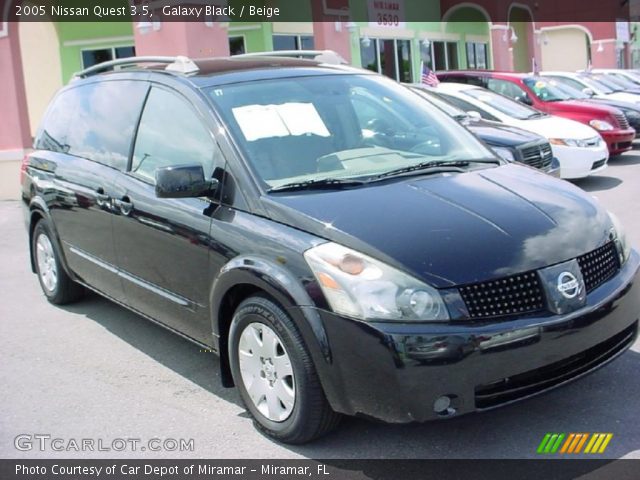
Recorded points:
428,77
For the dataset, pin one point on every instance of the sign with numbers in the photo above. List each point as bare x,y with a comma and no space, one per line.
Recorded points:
386,13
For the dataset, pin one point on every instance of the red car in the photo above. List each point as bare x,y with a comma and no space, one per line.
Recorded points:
539,93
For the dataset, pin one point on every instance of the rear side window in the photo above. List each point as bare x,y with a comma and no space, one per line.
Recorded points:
52,134
95,121
172,133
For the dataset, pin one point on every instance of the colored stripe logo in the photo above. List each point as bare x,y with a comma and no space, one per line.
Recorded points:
567,443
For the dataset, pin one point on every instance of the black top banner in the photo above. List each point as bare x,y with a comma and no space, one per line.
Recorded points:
382,12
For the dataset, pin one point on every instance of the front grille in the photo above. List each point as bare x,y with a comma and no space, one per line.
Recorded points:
599,265
523,294
536,381
515,295
598,164
623,123
537,156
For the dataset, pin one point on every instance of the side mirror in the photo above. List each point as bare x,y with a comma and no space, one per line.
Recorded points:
587,91
183,181
474,115
525,99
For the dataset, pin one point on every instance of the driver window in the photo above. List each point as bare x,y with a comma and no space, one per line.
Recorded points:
508,89
171,133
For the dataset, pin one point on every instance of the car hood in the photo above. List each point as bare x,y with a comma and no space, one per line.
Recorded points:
612,102
552,126
498,134
581,107
453,229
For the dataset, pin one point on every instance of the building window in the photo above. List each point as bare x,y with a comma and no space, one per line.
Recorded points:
477,56
95,56
293,42
442,55
236,45
388,57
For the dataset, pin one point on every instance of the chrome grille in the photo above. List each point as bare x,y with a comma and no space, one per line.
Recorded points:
599,266
537,156
623,123
514,295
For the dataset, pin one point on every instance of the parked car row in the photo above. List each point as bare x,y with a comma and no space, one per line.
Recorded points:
342,243
585,117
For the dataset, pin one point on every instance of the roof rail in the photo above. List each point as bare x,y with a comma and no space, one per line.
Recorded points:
324,56
178,64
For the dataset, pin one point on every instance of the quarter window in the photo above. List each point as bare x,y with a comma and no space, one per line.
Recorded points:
95,121
171,133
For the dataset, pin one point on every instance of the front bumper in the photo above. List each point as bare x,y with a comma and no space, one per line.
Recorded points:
619,141
396,372
579,162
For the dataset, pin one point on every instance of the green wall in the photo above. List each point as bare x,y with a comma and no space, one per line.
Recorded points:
91,35
468,21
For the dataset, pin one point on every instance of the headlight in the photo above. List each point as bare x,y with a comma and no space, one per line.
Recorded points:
566,142
359,286
620,239
601,125
504,153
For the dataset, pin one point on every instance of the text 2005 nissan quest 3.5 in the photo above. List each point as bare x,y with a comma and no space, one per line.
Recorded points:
345,247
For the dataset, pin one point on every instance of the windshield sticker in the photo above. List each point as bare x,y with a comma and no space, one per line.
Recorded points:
267,121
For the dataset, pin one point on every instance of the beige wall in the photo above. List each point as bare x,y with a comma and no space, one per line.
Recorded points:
10,179
565,49
41,66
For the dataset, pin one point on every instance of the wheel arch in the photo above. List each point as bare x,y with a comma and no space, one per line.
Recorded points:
246,276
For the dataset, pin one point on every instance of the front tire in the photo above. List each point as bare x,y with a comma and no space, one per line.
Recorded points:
57,286
275,375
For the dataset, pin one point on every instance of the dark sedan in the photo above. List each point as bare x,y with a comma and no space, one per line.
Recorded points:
511,143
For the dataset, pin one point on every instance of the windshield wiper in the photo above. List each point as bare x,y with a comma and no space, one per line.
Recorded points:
536,115
320,183
436,166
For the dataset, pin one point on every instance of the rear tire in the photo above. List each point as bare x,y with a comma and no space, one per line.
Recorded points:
275,375
57,286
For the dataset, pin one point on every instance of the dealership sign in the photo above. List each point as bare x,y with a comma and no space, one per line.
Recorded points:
386,13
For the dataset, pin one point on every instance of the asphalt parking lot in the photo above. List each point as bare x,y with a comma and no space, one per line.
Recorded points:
95,370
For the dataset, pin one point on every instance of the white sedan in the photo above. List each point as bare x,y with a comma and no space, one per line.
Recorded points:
579,148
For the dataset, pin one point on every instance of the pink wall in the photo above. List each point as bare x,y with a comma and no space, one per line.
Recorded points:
195,40
14,119
502,55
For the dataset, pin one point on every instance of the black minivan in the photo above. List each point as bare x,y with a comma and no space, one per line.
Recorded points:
339,263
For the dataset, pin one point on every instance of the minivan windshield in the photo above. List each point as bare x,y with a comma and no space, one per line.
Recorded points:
340,128
503,104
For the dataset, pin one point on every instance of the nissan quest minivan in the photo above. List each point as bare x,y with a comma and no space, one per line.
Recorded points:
345,247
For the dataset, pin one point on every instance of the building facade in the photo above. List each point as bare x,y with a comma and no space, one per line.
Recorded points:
36,59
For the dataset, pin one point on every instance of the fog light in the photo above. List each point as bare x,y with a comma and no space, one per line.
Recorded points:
442,404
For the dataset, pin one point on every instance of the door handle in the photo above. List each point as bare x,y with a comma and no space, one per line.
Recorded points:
124,204
102,199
